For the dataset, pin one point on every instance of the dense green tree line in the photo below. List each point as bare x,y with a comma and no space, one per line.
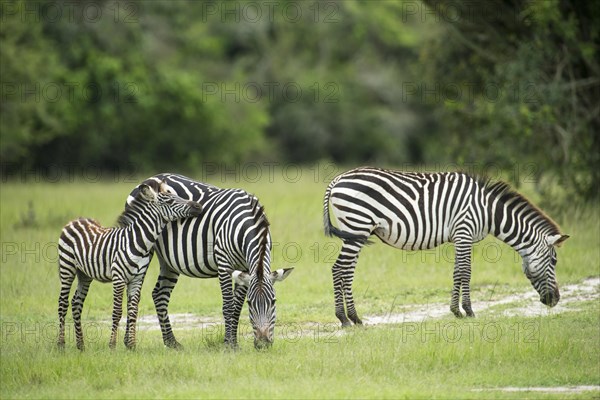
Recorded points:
170,85
529,72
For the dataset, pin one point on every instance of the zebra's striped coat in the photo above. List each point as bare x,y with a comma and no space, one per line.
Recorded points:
229,241
119,255
414,211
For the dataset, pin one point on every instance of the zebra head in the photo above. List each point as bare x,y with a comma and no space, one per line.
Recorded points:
539,267
261,301
170,207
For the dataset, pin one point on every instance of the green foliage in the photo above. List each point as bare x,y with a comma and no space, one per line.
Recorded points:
535,88
27,65
153,85
110,92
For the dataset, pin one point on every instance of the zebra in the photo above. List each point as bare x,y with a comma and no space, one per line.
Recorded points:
413,211
120,255
230,241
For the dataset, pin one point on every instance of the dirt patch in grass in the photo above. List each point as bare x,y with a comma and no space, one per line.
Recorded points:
555,389
520,304
178,321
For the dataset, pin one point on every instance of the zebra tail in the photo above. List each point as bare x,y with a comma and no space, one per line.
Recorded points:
328,227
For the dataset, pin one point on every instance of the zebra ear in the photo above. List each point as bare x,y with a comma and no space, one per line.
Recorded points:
280,274
147,192
556,240
239,277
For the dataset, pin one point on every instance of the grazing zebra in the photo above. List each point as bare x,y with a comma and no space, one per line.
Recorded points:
231,241
421,211
119,255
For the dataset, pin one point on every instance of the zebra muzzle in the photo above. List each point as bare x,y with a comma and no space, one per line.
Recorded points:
550,298
195,208
262,338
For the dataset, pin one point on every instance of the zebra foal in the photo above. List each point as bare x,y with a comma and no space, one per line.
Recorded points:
415,211
120,255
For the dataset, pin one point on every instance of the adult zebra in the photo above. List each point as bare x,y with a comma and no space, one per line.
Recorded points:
421,211
119,255
231,241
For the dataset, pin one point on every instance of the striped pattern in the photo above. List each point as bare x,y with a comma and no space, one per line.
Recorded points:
229,241
414,211
119,255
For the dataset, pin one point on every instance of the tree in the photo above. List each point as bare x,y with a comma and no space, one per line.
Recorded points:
532,69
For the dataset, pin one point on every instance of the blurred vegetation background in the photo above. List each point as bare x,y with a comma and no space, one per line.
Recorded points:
170,85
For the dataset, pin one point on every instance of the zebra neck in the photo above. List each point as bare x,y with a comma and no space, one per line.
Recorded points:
255,250
264,265
144,231
517,224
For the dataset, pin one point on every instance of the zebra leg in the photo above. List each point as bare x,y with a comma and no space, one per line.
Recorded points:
461,278
83,284
228,307
239,297
343,275
454,307
118,289
465,278
133,299
349,297
338,294
161,295
67,275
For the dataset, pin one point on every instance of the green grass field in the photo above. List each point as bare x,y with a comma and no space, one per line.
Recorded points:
312,357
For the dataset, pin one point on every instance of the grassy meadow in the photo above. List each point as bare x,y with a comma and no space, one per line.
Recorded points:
312,357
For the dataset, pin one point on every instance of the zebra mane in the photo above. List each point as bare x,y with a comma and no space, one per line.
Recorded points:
505,192
127,217
263,232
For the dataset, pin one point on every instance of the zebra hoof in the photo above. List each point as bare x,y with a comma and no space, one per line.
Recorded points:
231,346
346,324
174,344
457,313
